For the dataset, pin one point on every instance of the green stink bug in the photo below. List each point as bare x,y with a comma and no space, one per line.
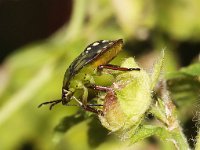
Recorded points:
78,77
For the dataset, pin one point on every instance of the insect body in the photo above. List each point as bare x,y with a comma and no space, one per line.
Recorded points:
78,77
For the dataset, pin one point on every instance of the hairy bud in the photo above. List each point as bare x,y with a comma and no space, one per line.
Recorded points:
127,101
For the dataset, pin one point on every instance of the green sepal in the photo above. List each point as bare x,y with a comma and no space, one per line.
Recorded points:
157,70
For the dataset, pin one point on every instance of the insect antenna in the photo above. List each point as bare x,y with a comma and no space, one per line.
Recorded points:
54,102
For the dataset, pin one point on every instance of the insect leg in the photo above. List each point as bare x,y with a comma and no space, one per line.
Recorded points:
99,88
85,95
88,107
96,111
115,67
94,105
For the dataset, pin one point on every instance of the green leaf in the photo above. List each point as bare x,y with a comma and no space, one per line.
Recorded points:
163,133
147,131
158,110
193,70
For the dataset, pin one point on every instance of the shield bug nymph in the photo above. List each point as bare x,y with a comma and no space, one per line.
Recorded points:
78,77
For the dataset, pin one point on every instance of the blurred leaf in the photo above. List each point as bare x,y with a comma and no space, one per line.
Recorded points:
68,122
193,70
178,19
184,86
97,134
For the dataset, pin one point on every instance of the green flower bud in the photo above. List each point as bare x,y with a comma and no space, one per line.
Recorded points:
127,102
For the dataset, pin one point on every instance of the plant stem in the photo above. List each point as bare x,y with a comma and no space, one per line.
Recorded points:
168,109
72,30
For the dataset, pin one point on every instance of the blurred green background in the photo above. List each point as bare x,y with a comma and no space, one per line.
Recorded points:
39,40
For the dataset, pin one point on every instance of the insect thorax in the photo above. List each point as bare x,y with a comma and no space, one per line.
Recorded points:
84,76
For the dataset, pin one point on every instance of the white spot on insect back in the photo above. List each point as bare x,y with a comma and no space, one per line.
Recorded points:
105,47
110,43
95,44
99,51
104,41
87,52
89,48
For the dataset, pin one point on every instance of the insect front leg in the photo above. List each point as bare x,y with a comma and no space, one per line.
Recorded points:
85,95
115,67
88,107
96,111
99,88
81,86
